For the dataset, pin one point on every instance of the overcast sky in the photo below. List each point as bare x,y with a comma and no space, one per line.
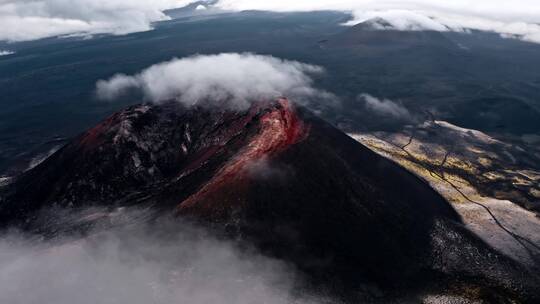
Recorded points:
33,19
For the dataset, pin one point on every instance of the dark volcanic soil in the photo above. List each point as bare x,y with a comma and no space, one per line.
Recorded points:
283,179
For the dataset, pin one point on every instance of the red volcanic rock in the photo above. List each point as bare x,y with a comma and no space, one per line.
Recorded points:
279,128
147,146
278,176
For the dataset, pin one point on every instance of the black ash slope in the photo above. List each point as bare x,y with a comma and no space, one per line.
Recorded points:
283,179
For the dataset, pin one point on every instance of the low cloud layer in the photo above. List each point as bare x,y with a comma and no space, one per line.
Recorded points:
519,18
140,263
386,107
22,20
229,79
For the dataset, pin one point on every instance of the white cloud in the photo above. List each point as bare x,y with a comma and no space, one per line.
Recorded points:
265,169
386,107
5,53
519,18
138,263
400,19
228,79
22,20
33,19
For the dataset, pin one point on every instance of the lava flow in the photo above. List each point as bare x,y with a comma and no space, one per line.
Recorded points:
279,128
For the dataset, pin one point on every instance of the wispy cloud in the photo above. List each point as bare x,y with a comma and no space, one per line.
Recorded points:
33,19
139,263
229,79
386,107
519,18
22,20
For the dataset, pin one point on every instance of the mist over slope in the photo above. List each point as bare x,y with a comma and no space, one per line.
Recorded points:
125,259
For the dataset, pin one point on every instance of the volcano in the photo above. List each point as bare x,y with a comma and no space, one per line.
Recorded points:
379,34
283,179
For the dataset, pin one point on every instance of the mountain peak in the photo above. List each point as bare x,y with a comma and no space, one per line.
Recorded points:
276,175
375,24
279,128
